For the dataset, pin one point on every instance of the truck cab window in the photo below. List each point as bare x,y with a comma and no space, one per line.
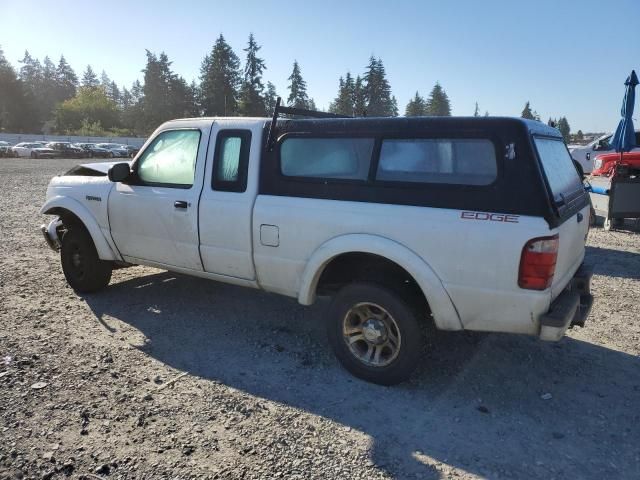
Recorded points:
231,160
170,160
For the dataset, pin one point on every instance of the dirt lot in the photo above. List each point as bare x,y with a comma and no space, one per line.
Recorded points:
86,382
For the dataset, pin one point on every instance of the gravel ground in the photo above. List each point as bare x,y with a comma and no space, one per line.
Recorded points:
166,376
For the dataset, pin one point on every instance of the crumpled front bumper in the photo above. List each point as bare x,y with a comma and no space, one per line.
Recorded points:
571,307
50,233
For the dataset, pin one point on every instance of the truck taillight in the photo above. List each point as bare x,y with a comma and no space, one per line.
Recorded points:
538,263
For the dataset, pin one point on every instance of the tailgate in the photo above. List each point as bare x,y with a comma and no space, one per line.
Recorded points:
571,246
571,204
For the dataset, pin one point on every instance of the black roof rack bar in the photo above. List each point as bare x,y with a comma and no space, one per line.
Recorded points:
294,111
309,113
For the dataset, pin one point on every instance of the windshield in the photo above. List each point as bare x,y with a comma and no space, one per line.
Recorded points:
558,167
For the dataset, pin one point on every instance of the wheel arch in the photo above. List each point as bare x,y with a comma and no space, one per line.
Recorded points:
444,313
74,210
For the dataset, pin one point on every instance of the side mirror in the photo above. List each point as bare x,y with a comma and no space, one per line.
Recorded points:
119,172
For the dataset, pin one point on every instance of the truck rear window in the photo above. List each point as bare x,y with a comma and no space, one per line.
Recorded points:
461,161
339,158
558,166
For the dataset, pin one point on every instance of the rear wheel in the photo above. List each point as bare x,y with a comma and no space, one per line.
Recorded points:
375,333
82,267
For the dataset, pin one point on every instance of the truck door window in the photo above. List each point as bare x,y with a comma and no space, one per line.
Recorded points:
170,160
231,160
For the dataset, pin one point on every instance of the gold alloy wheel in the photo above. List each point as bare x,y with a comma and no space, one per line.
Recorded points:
371,334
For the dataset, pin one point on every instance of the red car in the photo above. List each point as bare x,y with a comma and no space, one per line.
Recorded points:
605,164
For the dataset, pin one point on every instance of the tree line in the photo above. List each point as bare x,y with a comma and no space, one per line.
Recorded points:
43,96
561,123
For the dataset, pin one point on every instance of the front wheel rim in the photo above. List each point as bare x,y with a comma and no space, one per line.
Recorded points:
371,334
77,260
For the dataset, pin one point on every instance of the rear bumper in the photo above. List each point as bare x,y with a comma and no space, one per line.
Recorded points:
571,307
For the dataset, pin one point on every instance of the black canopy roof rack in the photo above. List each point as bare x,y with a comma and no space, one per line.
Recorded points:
271,140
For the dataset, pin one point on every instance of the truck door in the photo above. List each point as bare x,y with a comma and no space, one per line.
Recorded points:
226,204
154,217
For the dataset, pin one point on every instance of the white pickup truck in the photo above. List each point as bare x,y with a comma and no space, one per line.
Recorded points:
465,223
585,155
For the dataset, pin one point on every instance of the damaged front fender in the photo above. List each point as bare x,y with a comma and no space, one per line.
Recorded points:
57,205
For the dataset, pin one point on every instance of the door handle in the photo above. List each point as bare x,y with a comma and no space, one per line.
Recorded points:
180,204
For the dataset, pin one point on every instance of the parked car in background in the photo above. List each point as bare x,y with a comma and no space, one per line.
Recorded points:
585,155
92,150
604,165
133,151
115,149
32,150
66,150
5,149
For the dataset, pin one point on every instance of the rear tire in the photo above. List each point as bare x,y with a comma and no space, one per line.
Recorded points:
374,333
82,267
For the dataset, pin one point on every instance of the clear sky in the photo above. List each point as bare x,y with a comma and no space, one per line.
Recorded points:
568,57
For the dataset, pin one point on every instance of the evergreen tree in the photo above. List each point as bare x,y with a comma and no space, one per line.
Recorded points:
476,112
536,116
48,70
417,107
359,98
378,90
126,99
30,72
580,136
39,86
220,79
194,92
344,103
298,97
89,78
16,112
527,113
486,113
47,91
165,95
252,102
104,79
155,104
270,98
137,92
565,129
552,122
394,106
132,108
438,102
113,92
66,79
